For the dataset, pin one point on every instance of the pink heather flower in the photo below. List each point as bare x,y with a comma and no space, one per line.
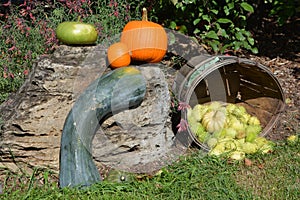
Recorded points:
19,21
4,75
23,12
110,4
32,17
7,26
183,106
182,126
7,4
24,4
11,75
28,55
172,104
25,72
12,48
116,13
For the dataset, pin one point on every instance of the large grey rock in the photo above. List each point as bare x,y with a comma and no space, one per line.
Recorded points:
138,140
35,114
141,136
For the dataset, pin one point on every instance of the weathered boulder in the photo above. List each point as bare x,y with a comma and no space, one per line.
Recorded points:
34,116
137,140
141,136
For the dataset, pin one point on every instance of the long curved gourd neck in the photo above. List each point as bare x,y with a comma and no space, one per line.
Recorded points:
117,91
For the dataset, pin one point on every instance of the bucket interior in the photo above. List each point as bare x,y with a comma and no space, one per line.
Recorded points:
247,84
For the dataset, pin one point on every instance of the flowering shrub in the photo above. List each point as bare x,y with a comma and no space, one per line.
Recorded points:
27,30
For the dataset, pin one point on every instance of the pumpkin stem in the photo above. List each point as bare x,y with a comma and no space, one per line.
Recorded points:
144,15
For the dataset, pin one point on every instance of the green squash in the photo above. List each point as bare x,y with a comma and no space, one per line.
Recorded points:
116,91
76,33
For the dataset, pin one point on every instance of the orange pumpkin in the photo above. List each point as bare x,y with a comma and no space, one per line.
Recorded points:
118,55
147,41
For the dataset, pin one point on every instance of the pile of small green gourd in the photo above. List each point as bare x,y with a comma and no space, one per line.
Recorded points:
227,129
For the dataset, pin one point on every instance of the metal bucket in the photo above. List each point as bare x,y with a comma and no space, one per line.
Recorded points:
230,79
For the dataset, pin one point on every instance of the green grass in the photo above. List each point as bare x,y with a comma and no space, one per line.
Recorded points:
270,176
274,176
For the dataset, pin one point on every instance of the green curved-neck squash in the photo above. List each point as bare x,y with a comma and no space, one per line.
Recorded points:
118,90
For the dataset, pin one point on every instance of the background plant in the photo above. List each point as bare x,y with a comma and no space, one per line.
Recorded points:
27,30
283,10
27,27
219,24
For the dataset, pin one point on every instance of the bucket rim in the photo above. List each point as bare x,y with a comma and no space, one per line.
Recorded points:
220,61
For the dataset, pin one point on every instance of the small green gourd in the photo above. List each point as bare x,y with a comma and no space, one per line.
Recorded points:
76,33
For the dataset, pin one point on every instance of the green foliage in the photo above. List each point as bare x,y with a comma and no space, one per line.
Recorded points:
220,24
27,31
284,9
17,51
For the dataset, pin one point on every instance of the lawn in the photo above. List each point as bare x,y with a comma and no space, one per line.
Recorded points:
196,176
274,175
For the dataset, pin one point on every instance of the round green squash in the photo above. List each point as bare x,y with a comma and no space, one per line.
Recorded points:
76,33
111,93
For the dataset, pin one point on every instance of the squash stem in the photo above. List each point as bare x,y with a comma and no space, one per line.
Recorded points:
144,15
